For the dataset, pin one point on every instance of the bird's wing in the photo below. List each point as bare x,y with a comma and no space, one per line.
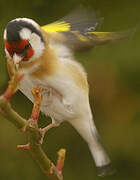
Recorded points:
77,31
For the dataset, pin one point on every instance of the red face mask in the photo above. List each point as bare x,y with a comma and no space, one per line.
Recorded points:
22,48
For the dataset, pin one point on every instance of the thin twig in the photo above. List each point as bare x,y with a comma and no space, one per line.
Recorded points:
60,160
37,102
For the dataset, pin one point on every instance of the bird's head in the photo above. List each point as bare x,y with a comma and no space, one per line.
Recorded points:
23,41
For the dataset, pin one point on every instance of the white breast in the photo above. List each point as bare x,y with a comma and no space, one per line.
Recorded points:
53,104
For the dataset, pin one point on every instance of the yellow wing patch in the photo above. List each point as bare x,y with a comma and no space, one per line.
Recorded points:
80,36
56,27
108,37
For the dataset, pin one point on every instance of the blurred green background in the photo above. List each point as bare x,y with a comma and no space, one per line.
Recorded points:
114,78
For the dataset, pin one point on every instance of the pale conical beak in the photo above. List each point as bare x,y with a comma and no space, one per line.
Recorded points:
17,59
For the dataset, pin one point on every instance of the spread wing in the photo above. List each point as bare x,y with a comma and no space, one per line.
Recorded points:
77,31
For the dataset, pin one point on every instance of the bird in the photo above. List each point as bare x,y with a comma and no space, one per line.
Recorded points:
46,56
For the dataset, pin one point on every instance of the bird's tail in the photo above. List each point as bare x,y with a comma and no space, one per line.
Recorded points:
87,130
100,157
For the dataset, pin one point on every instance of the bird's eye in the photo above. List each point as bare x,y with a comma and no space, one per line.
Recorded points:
23,52
27,52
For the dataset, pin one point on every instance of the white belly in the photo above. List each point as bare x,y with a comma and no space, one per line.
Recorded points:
52,102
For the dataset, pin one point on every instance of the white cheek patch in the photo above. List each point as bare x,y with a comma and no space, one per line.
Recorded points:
25,33
37,45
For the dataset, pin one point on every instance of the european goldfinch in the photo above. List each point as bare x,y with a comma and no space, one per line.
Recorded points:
45,55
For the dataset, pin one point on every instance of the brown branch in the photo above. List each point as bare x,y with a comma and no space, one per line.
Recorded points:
13,85
37,102
24,147
60,160
30,127
6,109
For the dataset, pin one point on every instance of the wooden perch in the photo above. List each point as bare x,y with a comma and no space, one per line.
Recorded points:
30,127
